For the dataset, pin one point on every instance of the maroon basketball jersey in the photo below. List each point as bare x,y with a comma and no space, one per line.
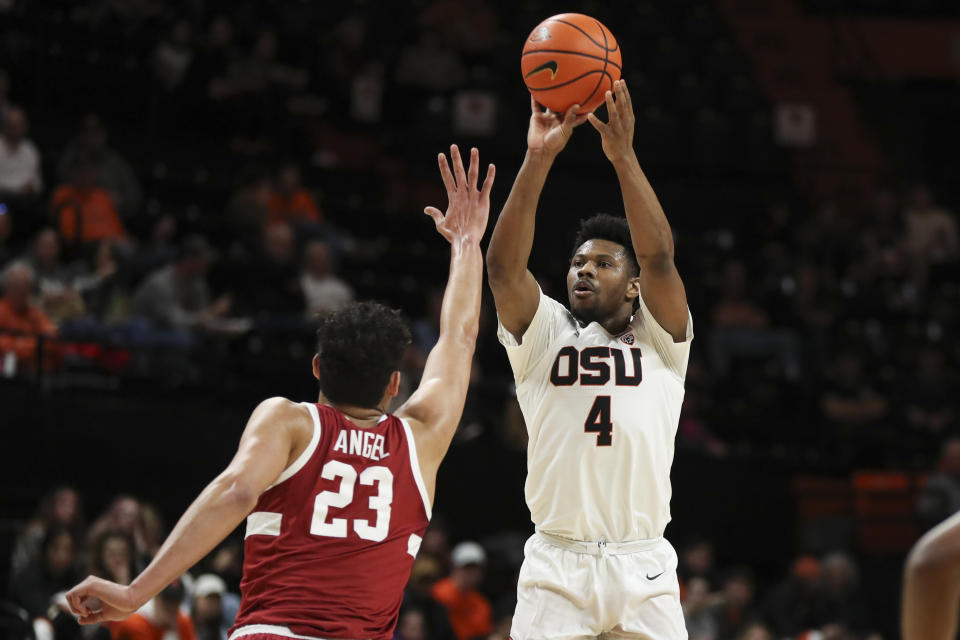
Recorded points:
330,545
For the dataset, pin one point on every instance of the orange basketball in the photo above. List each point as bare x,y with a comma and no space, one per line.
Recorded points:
570,59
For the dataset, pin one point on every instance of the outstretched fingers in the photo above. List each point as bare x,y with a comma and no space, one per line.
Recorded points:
434,213
597,123
473,172
447,176
458,171
613,114
623,96
488,182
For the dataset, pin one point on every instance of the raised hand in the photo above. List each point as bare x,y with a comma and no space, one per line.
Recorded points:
467,207
616,135
98,600
549,131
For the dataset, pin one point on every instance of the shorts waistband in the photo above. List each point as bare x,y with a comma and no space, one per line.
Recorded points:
268,629
600,547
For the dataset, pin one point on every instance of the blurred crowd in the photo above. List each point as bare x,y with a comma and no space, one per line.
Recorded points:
463,591
270,170
183,188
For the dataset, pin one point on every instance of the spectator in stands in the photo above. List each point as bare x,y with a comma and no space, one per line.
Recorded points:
121,516
470,612
742,327
177,296
112,172
55,280
271,287
756,631
157,250
412,625
849,401
159,618
56,570
841,602
931,231
172,57
104,292
113,557
792,606
734,610
696,561
150,532
940,498
417,596
290,203
929,393
207,611
58,508
22,321
323,290
701,624
19,158
85,212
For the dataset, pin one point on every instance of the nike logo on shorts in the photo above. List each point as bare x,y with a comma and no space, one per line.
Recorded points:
656,576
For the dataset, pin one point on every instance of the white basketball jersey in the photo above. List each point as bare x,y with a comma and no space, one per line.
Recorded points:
602,413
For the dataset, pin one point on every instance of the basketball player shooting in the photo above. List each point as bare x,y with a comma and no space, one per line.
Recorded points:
336,494
600,386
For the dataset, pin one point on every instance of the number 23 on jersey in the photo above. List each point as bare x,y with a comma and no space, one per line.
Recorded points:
380,502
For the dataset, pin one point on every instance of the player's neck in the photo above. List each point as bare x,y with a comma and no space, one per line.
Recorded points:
618,322
360,416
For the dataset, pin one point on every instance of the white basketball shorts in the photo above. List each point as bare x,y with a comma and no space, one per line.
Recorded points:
571,590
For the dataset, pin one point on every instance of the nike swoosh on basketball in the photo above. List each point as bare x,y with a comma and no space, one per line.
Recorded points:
549,64
649,577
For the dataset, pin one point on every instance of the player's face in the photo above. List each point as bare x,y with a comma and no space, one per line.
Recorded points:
599,280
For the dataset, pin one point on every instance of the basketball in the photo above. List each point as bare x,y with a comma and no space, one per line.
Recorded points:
570,59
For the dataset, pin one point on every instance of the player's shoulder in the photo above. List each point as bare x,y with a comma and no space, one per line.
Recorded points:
284,411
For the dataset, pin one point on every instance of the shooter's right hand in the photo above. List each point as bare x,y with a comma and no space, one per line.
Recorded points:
549,132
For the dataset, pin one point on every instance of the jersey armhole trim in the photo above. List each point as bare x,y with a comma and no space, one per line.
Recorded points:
304,457
415,466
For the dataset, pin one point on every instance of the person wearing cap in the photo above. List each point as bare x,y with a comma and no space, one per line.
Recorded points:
210,611
177,296
470,612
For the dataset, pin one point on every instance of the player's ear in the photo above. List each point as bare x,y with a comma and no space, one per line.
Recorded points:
633,288
316,366
393,387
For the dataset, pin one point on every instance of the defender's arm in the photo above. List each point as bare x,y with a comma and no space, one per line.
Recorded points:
515,290
435,408
269,442
660,283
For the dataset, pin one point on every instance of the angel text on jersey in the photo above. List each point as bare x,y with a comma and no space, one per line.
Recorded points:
591,367
354,442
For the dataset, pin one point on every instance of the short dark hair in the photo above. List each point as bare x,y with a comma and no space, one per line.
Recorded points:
603,226
359,346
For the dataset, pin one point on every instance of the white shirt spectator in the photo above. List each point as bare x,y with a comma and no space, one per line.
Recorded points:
326,294
323,291
19,166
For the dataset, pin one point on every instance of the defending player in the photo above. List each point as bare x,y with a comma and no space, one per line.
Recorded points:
337,494
600,387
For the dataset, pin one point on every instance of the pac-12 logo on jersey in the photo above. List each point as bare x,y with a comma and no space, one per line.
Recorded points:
627,339
591,367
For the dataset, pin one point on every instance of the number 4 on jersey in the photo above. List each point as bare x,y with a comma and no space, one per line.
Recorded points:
598,421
